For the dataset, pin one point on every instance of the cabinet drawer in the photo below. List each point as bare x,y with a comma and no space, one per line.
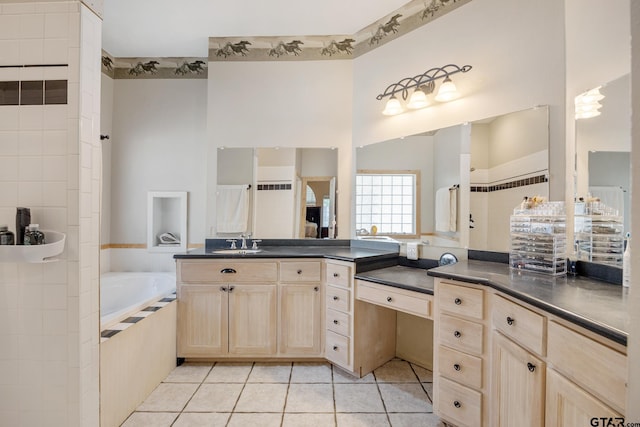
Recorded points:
338,299
601,370
459,404
339,275
460,334
461,300
461,367
303,271
520,324
337,349
396,299
228,272
338,322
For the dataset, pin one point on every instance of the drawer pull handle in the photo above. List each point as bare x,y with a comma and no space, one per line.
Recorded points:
457,404
457,334
335,322
227,271
223,289
315,288
389,299
335,348
336,275
531,367
457,367
457,301
335,298
299,271
510,320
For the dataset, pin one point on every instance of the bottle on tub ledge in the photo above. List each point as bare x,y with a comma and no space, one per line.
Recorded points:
23,219
33,235
6,236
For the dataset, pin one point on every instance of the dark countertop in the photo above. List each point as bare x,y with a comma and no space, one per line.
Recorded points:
598,306
412,279
342,253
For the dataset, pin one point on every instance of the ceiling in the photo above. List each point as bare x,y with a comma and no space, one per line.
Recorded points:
152,28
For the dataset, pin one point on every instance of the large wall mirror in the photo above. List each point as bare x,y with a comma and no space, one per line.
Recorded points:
603,169
277,193
467,176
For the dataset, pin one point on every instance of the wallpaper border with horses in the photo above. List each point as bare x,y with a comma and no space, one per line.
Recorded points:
412,15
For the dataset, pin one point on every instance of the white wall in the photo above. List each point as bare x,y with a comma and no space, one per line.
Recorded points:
106,127
158,144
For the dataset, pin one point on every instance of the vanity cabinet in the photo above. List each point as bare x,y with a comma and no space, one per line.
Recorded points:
460,353
226,308
301,315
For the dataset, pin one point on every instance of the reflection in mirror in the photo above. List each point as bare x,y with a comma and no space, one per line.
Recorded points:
397,183
603,168
277,200
509,161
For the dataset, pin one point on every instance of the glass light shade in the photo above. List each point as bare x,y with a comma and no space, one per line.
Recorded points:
592,95
447,91
392,107
591,106
418,100
587,114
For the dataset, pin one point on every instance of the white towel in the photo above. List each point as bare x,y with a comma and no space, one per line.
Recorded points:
443,209
232,208
453,209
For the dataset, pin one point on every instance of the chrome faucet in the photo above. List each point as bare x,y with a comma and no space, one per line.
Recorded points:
244,238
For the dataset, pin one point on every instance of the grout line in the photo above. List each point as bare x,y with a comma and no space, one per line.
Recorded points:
384,405
194,393
286,396
240,394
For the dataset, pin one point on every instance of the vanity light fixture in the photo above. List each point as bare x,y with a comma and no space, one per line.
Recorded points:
423,85
587,105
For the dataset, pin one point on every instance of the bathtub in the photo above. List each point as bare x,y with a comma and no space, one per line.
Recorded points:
124,293
134,356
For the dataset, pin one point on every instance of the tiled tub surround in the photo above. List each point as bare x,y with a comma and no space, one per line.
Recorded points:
51,157
135,355
289,394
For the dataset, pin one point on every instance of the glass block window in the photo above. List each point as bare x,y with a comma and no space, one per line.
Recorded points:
386,200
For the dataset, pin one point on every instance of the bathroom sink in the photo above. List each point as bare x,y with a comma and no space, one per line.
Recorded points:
236,251
382,238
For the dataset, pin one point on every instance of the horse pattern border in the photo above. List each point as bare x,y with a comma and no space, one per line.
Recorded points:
412,15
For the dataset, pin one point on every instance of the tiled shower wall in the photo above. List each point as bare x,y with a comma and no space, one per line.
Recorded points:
50,156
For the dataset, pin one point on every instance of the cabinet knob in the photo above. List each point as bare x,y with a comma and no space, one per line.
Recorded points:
336,275
335,298
315,288
510,320
389,299
335,348
457,334
457,301
335,322
531,367
231,288
457,404
223,289
299,272
457,367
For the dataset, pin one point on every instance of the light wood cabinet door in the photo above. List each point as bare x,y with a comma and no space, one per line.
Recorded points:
518,385
252,319
202,320
568,405
300,319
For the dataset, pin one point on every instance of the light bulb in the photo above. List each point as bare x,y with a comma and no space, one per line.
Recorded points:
392,107
447,91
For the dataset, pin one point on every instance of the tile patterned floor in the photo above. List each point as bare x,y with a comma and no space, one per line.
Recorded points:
289,395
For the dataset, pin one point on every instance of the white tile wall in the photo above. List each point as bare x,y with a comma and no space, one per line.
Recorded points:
49,333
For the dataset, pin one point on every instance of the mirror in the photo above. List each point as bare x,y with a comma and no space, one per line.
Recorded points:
603,145
291,191
509,159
